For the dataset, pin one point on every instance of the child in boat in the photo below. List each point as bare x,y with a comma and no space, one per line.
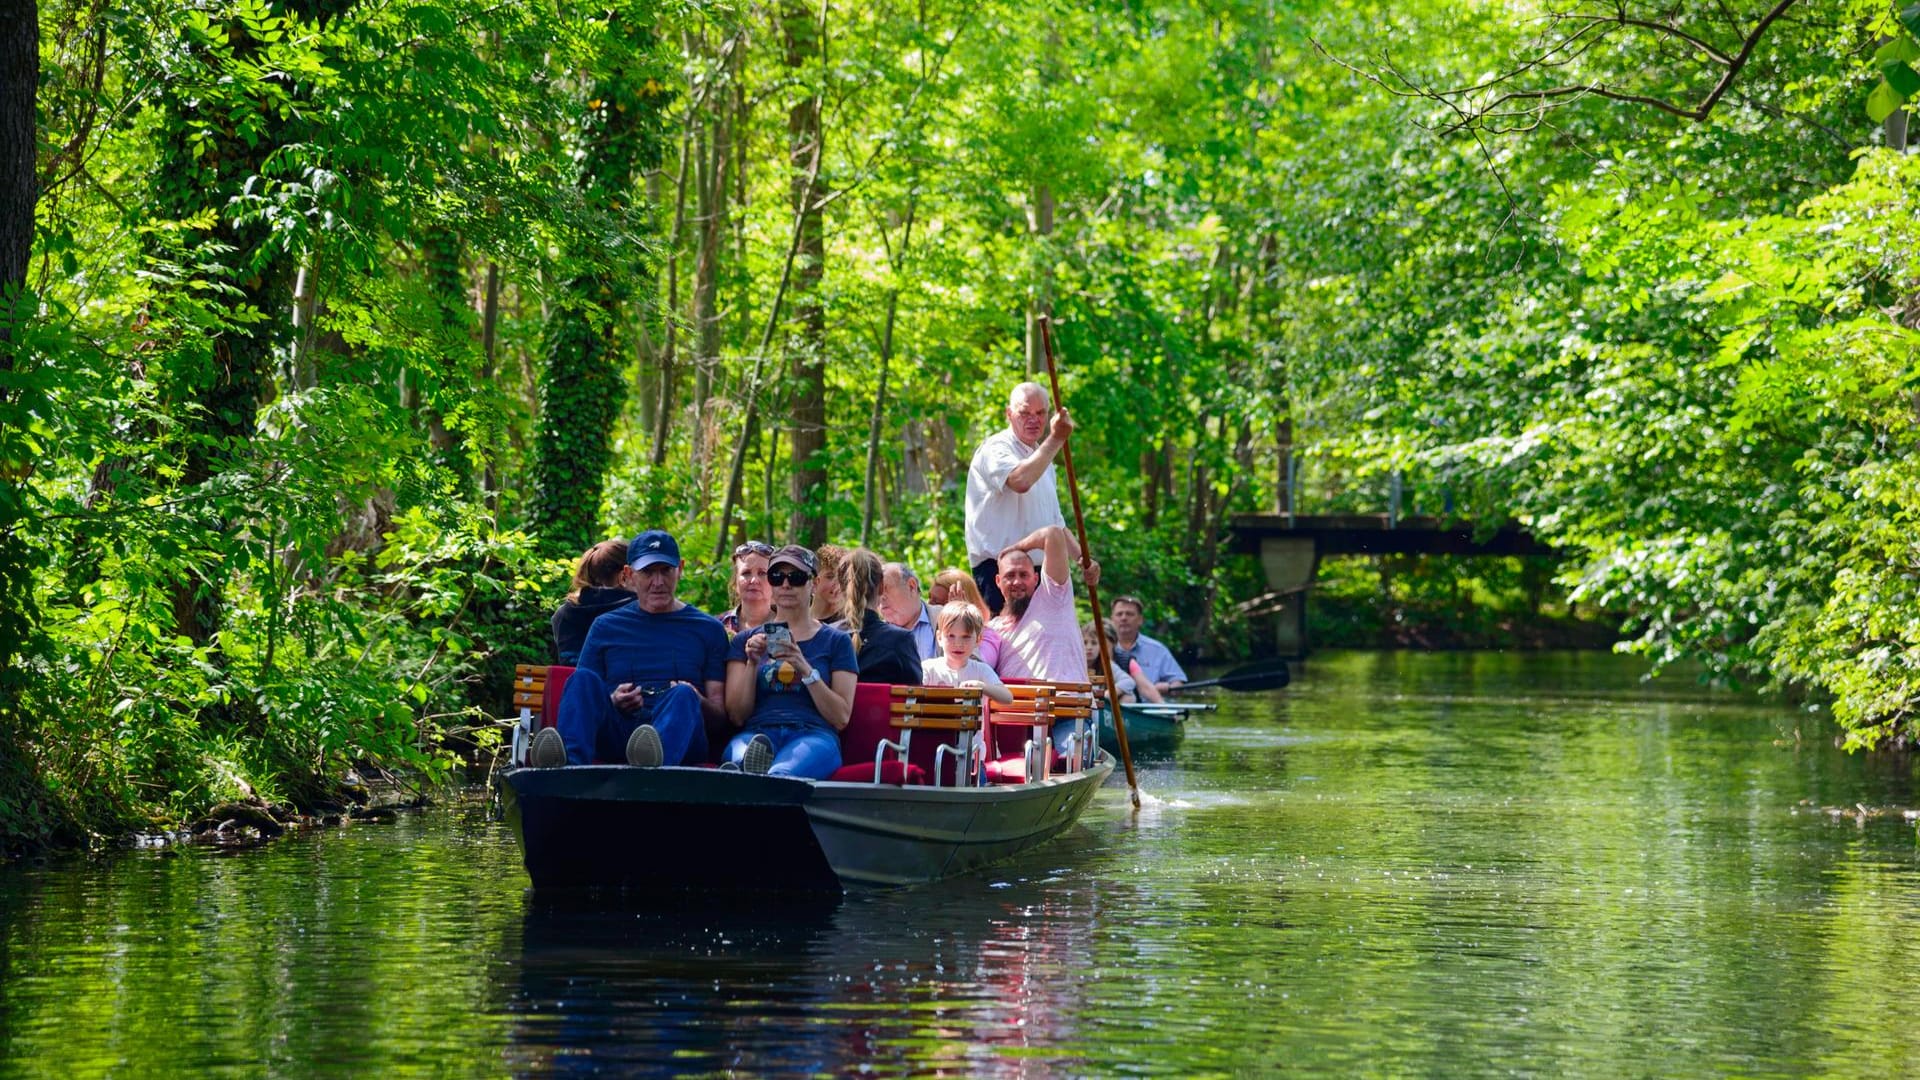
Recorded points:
958,627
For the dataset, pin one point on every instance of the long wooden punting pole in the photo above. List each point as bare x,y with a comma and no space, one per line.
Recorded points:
1086,556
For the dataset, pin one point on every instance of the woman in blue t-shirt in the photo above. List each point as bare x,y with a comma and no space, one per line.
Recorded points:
790,682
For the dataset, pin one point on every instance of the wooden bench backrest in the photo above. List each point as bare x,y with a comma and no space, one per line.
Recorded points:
1033,701
942,708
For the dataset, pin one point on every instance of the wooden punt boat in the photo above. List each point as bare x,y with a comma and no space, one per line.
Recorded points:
697,828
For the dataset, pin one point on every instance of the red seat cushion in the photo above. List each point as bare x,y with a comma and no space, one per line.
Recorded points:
892,771
557,677
872,721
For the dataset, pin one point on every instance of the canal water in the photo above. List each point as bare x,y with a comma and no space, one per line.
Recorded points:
1459,865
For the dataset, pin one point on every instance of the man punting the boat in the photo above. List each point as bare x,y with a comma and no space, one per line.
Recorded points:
1010,488
649,675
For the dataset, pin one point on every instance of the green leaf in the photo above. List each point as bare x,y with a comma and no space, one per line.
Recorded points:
1904,80
1910,18
1899,50
1882,102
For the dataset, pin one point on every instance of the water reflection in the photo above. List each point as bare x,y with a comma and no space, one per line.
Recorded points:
969,977
1442,865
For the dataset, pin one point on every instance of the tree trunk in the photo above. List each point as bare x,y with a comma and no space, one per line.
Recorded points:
19,87
582,392
806,347
447,281
489,343
895,259
1040,293
663,422
221,399
712,187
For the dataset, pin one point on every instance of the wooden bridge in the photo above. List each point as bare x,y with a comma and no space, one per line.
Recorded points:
1290,547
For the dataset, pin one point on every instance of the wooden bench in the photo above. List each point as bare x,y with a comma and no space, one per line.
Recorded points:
961,713
536,697
1022,732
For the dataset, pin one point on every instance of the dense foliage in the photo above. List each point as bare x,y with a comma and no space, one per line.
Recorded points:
353,321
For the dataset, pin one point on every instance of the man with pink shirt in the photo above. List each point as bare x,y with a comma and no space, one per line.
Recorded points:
1039,628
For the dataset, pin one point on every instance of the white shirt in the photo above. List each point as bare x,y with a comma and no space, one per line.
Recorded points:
996,515
935,672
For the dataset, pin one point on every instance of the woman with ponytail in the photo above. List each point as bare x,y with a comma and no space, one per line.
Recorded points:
888,654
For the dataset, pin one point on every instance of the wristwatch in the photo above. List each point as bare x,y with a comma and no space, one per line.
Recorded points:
812,677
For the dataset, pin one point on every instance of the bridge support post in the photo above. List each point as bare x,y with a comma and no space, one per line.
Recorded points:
1291,562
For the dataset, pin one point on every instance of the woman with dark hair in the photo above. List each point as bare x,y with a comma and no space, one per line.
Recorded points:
599,586
888,654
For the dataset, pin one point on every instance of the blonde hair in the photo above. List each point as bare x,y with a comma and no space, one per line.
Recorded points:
955,578
599,567
860,580
959,612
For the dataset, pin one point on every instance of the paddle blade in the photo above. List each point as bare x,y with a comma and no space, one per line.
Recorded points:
1267,675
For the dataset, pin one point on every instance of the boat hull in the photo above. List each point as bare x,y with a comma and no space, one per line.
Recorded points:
668,829
1147,724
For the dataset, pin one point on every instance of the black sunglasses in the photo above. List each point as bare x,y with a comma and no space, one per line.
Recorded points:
788,577
754,547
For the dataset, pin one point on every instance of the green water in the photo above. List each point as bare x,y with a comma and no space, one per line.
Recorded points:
1402,865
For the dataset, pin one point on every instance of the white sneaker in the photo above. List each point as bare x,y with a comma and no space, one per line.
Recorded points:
758,756
548,750
643,747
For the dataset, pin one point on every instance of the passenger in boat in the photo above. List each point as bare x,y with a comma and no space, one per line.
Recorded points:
1039,630
829,599
1163,671
596,591
901,605
887,653
953,584
1010,485
958,665
647,677
790,682
752,599
1131,682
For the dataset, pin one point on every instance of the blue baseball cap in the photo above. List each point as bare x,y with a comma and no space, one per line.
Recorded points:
651,548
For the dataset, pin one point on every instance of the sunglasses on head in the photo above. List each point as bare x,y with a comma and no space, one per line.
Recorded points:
754,547
788,577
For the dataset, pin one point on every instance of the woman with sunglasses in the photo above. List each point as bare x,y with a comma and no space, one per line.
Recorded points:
790,681
752,600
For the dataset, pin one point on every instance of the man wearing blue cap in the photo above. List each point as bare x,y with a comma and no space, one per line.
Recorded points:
648,676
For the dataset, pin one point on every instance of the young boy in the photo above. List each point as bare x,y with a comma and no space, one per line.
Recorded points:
958,627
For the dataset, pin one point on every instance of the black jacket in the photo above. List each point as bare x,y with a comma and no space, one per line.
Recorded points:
887,654
571,621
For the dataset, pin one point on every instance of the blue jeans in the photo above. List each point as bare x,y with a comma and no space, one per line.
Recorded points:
804,752
595,730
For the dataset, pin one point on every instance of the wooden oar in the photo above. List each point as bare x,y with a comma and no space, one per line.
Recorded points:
1086,556
1268,675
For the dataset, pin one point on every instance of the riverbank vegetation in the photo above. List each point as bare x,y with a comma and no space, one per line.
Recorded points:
333,330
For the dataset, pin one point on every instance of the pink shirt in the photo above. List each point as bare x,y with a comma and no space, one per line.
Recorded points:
1045,642
989,648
